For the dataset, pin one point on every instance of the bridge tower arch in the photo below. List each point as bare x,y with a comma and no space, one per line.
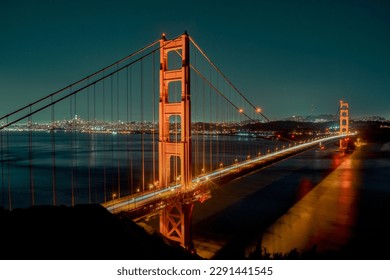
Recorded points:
344,122
176,217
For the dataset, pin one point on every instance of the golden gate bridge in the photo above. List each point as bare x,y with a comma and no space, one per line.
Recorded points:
147,135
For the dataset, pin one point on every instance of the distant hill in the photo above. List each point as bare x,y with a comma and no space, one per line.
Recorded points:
373,131
319,118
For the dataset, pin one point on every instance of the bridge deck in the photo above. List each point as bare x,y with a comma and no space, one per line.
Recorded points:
150,202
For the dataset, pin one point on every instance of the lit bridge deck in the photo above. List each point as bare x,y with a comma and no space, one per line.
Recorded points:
148,203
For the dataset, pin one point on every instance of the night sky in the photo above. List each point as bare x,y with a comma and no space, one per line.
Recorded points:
296,57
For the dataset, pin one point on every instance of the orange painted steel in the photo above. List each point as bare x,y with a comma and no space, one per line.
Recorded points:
344,122
175,218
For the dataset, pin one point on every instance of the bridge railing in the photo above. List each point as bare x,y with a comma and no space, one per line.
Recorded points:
149,203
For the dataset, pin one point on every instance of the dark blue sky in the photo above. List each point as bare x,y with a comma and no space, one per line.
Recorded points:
290,57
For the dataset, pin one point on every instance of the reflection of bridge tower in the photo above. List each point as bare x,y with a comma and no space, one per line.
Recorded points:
175,149
344,122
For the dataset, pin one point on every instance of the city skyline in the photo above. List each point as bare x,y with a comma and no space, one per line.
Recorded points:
289,59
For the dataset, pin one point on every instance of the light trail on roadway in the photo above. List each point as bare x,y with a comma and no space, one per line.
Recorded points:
135,201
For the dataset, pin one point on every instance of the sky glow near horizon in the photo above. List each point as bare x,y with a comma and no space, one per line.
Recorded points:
288,57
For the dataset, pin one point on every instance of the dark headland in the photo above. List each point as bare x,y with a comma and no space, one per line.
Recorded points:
80,232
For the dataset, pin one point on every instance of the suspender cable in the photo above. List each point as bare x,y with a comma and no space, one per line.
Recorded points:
154,118
75,148
53,156
30,155
130,180
95,189
217,127
223,75
204,127
2,169
117,151
89,148
72,92
195,125
75,139
223,120
111,131
72,149
210,127
176,137
142,129
104,144
220,93
84,79
8,174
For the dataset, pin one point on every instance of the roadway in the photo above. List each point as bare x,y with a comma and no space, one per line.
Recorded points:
320,199
153,199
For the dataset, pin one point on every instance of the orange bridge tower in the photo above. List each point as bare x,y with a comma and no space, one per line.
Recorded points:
175,149
344,123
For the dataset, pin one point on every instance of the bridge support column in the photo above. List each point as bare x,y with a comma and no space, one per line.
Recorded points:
176,223
175,138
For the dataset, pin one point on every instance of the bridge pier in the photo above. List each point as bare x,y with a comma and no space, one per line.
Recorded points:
176,223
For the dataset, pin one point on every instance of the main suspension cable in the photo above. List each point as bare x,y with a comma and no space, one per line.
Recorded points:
224,76
82,80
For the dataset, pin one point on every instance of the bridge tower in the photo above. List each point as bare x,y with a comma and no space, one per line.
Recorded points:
344,123
175,149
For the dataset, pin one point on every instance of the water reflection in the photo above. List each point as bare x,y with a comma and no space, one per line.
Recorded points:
324,218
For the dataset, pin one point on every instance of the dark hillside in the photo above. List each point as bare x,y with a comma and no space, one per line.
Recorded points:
80,232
